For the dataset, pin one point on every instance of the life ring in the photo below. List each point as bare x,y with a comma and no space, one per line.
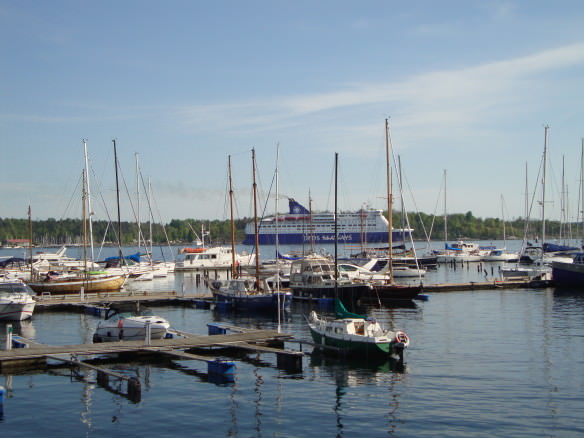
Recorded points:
402,337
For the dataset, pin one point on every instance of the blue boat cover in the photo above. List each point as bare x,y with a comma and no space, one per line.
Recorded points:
451,248
11,261
282,257
552,247
134,257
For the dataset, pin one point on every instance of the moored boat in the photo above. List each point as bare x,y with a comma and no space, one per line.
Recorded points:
61,284
128,327
569,274
356,335
16,301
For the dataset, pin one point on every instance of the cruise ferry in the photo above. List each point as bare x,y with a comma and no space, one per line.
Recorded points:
363,226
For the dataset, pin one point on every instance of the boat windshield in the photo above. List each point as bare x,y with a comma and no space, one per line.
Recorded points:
14,287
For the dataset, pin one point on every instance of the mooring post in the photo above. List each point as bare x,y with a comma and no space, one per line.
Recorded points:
148,332
291,362
134,389
82,294
8,345
102,378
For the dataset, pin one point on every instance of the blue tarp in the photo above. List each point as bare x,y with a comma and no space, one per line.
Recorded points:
134,257
11,261
281,257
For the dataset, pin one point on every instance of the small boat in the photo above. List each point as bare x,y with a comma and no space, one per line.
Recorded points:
128,327
356,335
64,284
16,301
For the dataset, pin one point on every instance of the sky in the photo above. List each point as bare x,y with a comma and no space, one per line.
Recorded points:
467,87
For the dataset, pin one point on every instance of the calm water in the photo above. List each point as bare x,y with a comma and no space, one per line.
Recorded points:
481,363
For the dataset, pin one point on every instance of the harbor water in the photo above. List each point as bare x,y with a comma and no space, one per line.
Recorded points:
500,362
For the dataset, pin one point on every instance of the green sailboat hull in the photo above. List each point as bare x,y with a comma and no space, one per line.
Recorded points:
353,347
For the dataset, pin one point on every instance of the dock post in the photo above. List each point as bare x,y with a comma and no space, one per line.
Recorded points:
2,392
148,329
102,379
291,362
8,345
82,294
134,389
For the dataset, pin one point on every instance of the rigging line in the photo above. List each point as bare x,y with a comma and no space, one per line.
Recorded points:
71,199
163,226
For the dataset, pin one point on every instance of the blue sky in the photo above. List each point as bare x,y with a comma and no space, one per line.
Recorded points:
468,87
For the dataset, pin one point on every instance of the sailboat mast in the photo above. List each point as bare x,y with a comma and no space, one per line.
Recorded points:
83,200
545,144
138,197
582,191
233,267
88,191
336,226
118,202
445,214
389,204
30,242
311,231
255,221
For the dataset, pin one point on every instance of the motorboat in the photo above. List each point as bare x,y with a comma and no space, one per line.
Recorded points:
313,278
16,300
126,326
217,257
243,294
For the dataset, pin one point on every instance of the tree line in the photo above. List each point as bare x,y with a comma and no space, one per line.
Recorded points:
182,231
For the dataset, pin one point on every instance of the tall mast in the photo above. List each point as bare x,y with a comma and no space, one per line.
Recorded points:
255,221
88,191
233,267
150,218
30,242
83,199
582,191
336,226
389,204
138,197
311,231
277,236
445,214
545,144
118,202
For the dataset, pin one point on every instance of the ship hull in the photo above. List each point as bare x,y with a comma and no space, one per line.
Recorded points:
300,238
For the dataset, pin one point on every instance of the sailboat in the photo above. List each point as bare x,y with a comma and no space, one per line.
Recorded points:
572,273
88,281
388,290
245,293
355,335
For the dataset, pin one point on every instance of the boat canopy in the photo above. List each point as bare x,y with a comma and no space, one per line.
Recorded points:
11,261
341,312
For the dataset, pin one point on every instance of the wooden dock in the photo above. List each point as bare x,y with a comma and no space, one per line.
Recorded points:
487,285
36,355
